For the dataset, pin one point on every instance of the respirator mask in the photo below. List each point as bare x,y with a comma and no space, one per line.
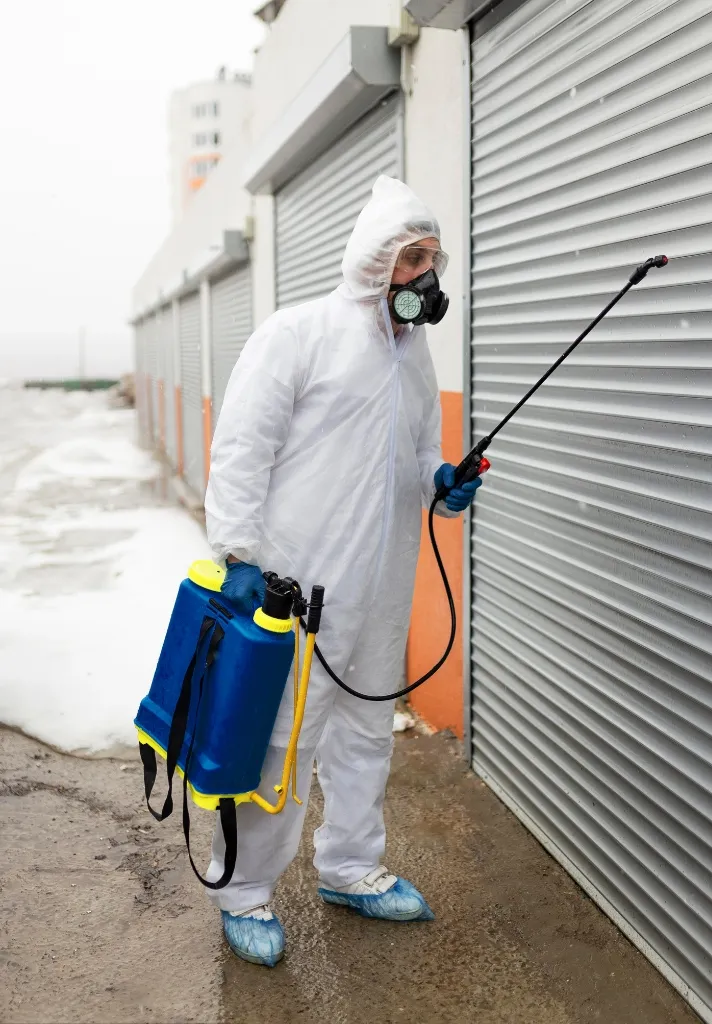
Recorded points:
421,301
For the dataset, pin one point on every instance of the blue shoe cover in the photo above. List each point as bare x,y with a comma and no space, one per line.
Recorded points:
402,902
254,940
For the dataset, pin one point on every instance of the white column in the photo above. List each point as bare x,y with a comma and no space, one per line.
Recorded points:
263,259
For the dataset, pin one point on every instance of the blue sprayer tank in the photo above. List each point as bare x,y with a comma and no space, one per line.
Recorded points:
215,695
241,692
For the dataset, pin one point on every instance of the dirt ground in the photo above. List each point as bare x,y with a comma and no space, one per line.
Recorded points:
101,921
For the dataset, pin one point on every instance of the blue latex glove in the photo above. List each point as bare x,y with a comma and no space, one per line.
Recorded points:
458,498
244,587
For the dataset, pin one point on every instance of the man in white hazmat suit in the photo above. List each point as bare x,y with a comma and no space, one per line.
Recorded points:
326,449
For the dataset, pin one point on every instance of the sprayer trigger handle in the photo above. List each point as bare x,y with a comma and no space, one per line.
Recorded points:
472,466
471,470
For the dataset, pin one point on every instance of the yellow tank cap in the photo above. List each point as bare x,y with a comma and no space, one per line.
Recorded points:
270,623
206,574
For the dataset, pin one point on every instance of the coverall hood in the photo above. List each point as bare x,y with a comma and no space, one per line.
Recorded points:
393,217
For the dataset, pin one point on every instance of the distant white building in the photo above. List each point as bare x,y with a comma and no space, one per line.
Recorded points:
206,119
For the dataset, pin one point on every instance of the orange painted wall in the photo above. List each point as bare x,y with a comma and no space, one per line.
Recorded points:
207,435
179,429
440,700
162,414
149,405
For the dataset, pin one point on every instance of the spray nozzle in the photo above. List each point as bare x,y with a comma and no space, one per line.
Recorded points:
639,273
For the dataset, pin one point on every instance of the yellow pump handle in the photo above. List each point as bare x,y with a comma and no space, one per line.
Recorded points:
300,699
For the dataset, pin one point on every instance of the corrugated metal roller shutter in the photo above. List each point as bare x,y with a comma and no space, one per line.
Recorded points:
316,211
142,371
152,369
191,385
159,370
231,325
592,554
167,346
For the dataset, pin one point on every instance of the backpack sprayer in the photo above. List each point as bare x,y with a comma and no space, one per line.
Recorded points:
221,675
215,695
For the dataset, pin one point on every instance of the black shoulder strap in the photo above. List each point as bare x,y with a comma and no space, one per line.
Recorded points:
228,811
176,738
179,724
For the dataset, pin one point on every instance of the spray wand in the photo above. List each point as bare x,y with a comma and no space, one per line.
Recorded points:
472,466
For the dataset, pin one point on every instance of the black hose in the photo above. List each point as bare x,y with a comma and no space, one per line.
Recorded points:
451,641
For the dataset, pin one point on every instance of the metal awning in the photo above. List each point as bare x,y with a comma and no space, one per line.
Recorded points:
447,13
356,75
230,253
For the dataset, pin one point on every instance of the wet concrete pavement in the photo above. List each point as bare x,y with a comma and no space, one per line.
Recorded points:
101,920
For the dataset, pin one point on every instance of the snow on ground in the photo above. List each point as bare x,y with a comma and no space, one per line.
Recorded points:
402,721
91,556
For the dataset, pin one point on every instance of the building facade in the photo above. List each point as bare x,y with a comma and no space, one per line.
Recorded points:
205,120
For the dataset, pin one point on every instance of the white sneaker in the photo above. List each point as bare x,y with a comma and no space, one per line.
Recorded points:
257,913
375,883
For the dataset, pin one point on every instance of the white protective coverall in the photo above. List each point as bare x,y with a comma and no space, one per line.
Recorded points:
323,457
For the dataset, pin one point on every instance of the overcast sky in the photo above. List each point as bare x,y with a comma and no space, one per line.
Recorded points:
84,196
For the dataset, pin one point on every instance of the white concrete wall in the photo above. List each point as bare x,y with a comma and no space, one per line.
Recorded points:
298,42
263,259
436,162
219,206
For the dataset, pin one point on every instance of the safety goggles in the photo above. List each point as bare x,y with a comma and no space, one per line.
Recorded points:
417,259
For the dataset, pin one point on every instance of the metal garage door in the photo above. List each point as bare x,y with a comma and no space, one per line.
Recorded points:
231,325
167,350
159,362
151,351
592,542
143,381
191,389
316,211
